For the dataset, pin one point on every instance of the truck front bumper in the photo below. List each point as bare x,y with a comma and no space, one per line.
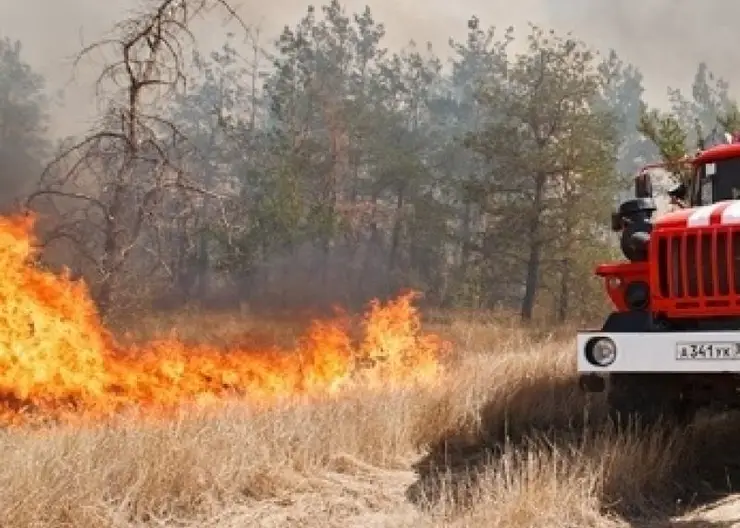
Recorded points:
679,352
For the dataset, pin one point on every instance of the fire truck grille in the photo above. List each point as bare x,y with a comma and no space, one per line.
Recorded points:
699,265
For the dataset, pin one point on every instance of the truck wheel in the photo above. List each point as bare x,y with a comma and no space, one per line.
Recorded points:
646,398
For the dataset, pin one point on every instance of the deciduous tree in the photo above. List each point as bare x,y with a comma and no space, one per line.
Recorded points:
115,183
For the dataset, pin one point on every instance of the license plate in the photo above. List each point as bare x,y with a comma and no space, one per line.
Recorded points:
708,351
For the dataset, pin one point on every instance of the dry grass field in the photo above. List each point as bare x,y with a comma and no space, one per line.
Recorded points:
345,424
502,438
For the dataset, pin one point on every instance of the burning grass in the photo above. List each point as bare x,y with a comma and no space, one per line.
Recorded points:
58,362
496,434
503,438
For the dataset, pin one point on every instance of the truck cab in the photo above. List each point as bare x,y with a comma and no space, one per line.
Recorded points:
715,178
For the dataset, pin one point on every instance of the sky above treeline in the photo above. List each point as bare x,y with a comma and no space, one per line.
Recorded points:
665,38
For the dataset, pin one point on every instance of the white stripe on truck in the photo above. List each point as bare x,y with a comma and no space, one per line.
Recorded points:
731,215
701,216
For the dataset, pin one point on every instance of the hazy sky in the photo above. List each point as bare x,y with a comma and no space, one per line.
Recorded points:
665,38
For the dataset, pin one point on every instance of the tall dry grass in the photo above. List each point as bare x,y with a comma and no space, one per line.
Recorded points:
504,439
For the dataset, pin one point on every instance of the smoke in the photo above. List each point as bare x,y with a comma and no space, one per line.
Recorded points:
665,38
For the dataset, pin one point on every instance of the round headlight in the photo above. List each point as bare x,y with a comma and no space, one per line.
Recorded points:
601,351
637,295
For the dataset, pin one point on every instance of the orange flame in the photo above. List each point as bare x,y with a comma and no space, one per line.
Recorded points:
59,364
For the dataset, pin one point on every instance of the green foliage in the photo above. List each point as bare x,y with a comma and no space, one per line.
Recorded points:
482,184
666,132
484,181
552,150
698,115
692,123
729,120
621,96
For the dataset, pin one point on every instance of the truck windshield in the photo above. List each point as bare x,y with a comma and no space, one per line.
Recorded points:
720,181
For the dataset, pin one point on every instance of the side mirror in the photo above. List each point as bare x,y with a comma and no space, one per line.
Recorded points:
643,186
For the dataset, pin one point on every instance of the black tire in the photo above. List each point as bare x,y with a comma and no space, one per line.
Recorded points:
642,400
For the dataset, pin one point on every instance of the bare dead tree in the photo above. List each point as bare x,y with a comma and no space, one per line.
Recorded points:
109,187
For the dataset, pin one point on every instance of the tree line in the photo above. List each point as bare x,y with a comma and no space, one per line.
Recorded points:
322,167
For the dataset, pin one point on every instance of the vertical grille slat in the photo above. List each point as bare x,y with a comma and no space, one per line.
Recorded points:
723,275
693,265
730,268
736,261
674,277
706,264
663,281
715,267
684,269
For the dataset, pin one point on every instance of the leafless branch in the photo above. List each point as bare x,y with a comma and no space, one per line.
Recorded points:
131,152
73,195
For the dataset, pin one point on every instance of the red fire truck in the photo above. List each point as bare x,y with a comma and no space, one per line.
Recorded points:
672,342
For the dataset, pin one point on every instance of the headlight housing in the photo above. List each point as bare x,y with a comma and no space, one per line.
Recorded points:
601,351
637,295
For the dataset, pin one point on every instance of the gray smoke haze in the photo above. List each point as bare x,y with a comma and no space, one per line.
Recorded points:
665,38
